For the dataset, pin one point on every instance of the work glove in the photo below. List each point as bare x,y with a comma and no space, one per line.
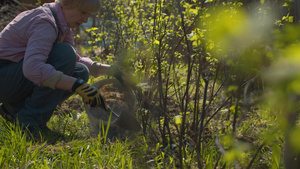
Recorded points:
96,69
90,95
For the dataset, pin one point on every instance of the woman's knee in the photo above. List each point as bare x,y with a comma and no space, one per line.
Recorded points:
63,57
81,71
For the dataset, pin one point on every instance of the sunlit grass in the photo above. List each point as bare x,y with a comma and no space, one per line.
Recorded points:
77,150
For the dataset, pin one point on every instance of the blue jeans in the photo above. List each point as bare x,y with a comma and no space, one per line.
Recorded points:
30,104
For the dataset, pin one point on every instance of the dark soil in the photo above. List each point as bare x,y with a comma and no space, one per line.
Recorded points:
8,11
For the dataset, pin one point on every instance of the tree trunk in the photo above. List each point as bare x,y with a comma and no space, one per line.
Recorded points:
297,10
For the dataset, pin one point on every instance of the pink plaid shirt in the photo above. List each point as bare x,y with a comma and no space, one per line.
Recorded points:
30,36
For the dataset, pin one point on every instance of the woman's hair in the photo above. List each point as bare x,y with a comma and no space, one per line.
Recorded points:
91,6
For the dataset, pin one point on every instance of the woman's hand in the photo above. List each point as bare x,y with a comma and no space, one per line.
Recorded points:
98,69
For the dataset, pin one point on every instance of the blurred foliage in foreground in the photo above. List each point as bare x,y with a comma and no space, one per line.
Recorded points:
218,79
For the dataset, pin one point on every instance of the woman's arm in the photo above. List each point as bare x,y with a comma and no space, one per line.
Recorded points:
65,82
98,69
59,81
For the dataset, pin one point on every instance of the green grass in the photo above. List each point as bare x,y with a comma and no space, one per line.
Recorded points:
79,150
76,150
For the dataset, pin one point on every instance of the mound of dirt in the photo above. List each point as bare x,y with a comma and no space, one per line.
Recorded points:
120,99
115,93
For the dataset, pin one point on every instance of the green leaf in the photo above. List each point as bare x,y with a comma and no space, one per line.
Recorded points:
178,119
294,138
156,42
291,19
276,157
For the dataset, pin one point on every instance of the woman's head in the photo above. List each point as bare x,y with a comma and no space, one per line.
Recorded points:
77,12
90,6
